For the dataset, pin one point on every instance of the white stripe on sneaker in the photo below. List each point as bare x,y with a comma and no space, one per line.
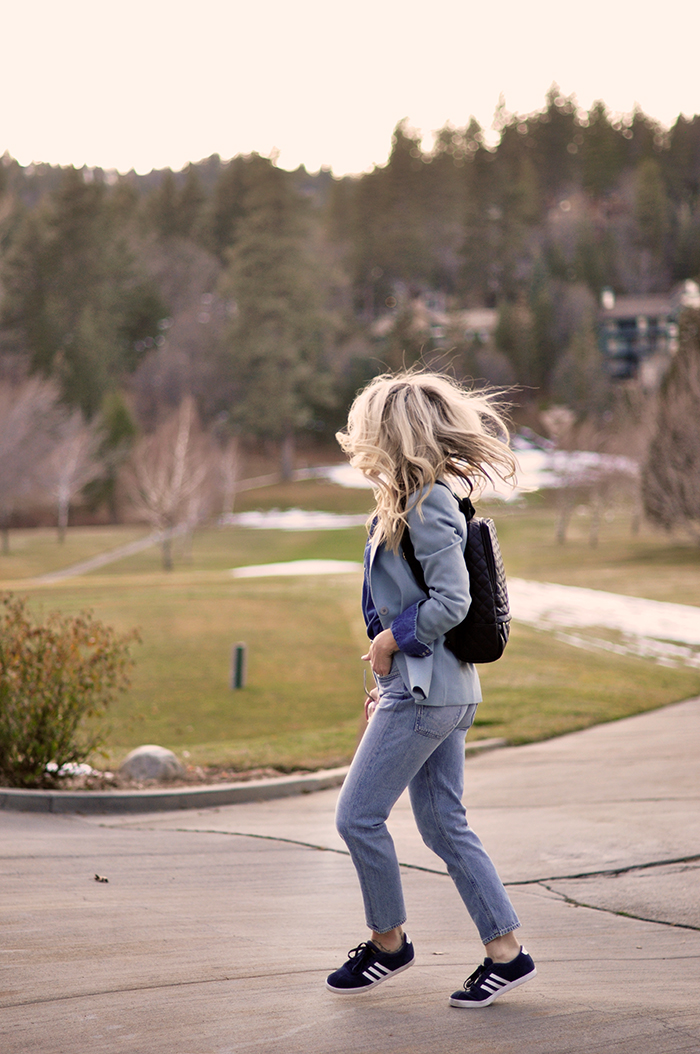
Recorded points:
376,972
483,993
363,972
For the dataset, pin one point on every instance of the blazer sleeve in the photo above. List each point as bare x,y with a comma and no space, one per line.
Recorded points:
438,542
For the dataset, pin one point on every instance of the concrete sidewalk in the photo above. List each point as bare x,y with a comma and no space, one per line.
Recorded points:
216,927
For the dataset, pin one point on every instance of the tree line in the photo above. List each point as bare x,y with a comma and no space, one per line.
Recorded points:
266,297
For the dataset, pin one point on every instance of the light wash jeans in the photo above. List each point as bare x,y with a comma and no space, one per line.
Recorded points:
422,748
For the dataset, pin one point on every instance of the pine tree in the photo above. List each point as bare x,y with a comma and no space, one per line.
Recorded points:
681,161
75,303
602,151
579,381
117,434
556,134
514,336
651,206
671,474
544,342
173,210
162,206
228,206
278,331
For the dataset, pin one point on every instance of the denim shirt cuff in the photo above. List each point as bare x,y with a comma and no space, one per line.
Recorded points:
404,629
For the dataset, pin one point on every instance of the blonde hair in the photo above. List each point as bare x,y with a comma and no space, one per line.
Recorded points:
409,429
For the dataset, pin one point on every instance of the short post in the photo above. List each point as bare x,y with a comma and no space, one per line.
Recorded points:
238,665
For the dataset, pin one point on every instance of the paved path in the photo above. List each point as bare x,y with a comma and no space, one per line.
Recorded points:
217,927
94,563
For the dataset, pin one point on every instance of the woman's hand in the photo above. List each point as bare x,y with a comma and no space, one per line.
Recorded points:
371,702
380,652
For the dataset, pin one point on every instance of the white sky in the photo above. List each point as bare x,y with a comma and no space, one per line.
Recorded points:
154,83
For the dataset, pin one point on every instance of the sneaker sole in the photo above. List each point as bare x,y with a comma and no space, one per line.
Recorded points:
372,985
474,1004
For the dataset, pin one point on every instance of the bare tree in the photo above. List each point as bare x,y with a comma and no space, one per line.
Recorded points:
168,476
73,462
559,422
593,465
27,416
229,470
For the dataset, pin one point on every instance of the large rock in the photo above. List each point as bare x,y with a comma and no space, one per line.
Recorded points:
151,763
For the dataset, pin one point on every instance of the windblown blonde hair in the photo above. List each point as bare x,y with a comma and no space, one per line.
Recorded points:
409,429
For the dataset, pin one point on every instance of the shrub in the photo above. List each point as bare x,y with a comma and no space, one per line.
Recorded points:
57,679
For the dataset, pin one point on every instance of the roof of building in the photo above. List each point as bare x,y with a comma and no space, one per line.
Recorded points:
649,304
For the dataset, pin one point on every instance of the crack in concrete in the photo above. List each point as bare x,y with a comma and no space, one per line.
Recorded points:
610,872
612,911
434,871
162,985
542,882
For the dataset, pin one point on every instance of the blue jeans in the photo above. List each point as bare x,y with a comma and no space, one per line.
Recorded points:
422,748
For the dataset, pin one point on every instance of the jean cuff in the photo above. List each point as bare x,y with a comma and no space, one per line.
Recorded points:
404,629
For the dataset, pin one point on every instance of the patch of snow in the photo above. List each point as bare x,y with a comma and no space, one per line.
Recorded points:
661,652
547,602
668,634
345,476
293,520
540,467
664,632
298,567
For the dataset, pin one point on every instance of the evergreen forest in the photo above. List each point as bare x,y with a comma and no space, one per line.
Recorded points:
266,297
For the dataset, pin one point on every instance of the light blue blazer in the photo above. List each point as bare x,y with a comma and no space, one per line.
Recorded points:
429,670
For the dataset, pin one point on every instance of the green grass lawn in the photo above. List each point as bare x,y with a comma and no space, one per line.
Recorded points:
301,706
219,549
306,494
38,551
302,702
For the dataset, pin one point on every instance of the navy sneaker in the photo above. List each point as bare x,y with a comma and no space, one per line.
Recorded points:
368,966
493,979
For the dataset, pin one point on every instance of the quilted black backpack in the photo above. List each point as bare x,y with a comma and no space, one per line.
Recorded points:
483,634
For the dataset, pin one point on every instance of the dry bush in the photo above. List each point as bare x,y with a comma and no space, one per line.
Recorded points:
56,678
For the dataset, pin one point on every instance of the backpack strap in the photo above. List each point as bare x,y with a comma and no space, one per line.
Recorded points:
409,553
465,504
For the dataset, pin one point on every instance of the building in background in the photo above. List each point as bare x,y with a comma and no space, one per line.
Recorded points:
639,334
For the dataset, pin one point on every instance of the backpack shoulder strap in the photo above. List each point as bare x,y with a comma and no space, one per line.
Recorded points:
409,554
465,505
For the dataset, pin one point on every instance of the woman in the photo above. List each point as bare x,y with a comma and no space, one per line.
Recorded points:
408,433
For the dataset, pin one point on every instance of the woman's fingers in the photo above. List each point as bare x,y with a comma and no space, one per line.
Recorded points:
380,652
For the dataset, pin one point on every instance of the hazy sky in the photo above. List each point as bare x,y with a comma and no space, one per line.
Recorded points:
154,83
